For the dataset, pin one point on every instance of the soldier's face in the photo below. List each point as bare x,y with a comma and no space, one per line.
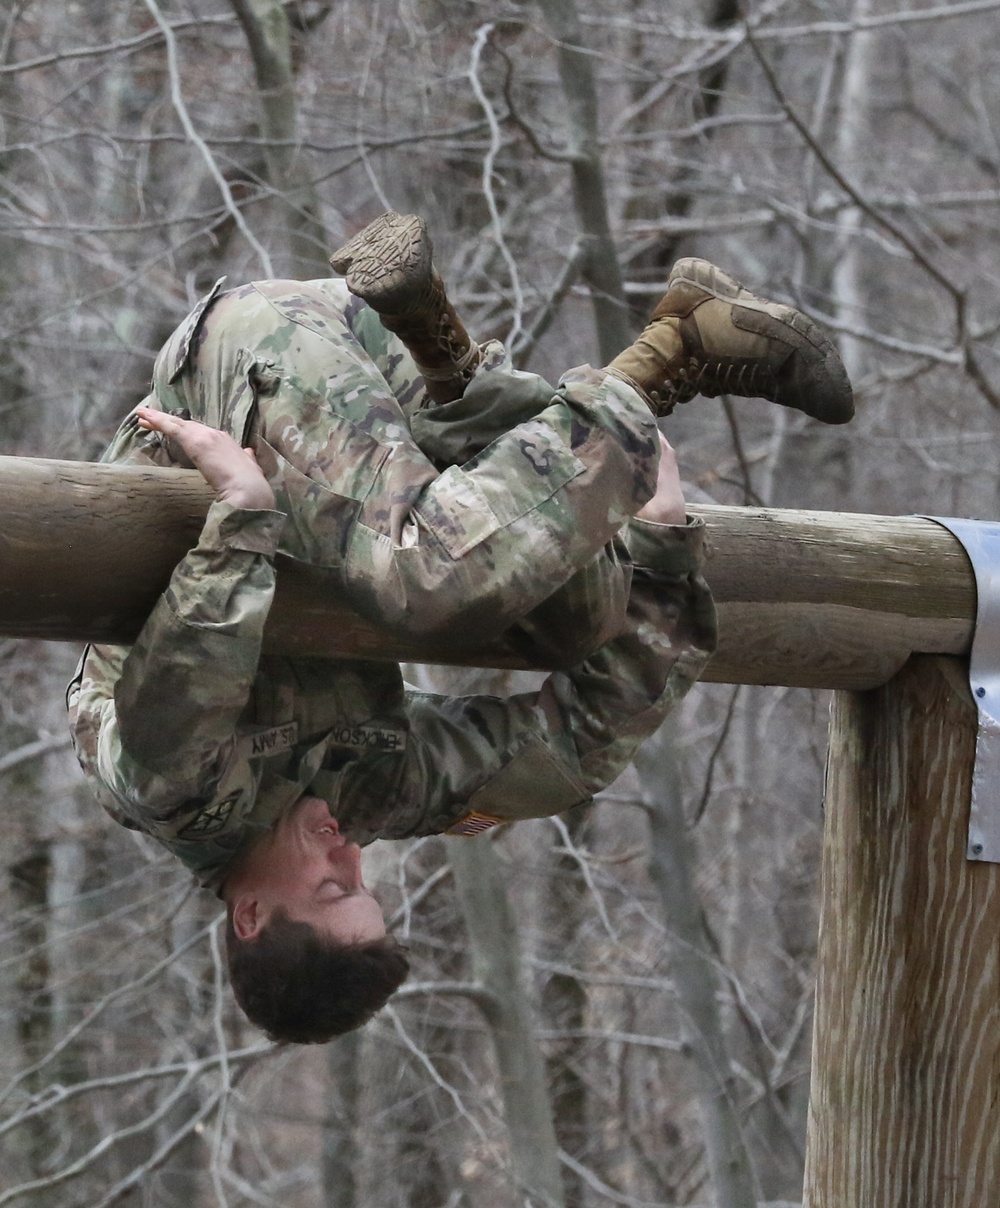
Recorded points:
306,868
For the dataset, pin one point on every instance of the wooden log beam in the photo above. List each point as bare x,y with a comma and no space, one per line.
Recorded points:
813,599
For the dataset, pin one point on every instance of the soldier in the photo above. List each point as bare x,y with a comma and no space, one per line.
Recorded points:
356,427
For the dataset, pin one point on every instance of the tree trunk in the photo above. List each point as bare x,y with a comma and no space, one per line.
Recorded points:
600,267
853,150
906,1051
265,24
674,189
497,966
340,1139
564,1000
693,970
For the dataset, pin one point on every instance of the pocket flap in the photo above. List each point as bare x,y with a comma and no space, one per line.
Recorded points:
531,785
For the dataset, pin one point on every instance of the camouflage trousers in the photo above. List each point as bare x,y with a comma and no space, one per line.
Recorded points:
461,520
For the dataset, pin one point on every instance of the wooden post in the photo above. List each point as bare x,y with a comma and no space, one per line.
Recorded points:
905,1103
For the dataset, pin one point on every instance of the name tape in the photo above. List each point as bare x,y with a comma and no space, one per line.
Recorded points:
274,741
371,738
278,739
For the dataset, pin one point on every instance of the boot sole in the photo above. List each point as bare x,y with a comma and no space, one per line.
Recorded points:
388,264
834,405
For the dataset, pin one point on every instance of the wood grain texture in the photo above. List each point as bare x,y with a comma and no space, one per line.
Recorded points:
815,599
905,1102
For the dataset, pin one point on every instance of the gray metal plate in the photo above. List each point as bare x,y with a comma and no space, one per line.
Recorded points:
981,540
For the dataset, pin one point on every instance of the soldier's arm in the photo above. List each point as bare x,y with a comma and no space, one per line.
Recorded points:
156,725
540,753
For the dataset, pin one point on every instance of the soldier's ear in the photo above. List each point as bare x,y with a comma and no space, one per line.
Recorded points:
248,916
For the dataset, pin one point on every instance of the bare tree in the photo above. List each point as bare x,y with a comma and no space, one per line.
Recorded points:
693,969
496,965
269,39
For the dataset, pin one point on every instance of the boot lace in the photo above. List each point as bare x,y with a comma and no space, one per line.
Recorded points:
712,376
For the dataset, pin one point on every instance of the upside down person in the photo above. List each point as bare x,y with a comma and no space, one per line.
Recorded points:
353,424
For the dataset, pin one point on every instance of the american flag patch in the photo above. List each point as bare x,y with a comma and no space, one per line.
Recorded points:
473,824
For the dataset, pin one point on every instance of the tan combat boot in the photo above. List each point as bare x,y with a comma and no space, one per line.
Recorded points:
711,336
388,265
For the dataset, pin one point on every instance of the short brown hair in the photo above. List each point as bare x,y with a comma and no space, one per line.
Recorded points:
298,986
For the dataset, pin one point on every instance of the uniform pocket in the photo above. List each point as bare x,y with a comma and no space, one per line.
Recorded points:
525,468
457,512
236,412
512,477
321,514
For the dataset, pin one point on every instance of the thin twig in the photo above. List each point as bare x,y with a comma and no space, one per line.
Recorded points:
571,849
473,991
86,1160
140,1173
56,1095
720,742
401,918
138,42
177,99
222,1044
32,750
750,496
604,1190
424,1060
958,295
72,1033
515,118
863,204
496,142
543,320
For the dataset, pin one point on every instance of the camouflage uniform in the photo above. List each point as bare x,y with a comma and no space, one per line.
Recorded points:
502,511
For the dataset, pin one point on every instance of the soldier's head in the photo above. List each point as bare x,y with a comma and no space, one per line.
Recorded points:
308,953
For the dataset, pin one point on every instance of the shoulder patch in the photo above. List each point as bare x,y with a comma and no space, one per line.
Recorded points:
212,818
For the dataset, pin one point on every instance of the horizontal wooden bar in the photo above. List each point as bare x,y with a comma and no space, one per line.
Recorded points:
833,599
813,599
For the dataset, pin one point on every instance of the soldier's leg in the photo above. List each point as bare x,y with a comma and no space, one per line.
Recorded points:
490,539
390,261
586,611
709,335
449,433
382,347
389,265
470,550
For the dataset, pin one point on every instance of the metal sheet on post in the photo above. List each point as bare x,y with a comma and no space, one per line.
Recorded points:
981,541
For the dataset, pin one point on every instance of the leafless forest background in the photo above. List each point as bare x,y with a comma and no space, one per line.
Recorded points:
611,1009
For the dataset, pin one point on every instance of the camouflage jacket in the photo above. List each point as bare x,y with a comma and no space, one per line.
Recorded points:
194,738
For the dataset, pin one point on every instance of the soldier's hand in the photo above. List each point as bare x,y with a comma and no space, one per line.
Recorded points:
230,471
667,505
